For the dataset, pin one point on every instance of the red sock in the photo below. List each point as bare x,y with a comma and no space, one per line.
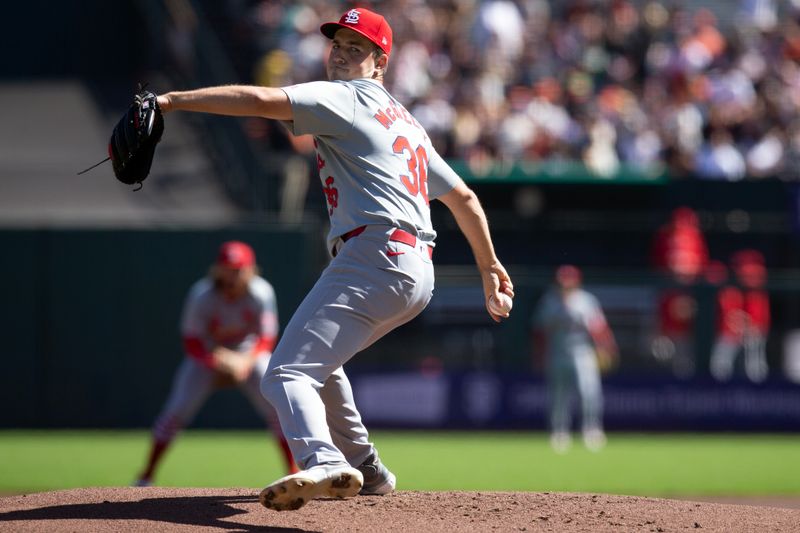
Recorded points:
156,452
291,467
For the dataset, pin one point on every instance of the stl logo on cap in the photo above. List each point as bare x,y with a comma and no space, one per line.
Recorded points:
369,24
235,254
351,17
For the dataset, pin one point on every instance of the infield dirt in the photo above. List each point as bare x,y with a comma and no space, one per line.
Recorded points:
160,509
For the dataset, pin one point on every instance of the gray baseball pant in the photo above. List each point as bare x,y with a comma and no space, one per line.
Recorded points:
372,286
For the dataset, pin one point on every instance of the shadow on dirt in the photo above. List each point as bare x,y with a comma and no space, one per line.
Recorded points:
205,511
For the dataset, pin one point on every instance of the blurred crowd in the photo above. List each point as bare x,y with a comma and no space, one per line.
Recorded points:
641,84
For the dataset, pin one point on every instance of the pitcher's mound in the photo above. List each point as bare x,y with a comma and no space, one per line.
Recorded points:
158,509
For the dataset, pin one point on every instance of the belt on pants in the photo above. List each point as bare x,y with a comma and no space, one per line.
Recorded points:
397,235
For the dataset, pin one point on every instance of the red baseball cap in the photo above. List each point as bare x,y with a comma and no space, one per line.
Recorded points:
568,274
747,257
368,23
236,254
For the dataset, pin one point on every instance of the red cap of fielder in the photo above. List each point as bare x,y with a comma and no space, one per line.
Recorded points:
236,254
369,24
568,274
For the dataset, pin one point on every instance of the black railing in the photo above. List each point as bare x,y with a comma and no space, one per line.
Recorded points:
187,47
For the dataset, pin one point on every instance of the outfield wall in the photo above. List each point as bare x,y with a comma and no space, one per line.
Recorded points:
90,317
481,400
90,323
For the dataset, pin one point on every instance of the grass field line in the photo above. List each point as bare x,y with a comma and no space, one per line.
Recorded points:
661,465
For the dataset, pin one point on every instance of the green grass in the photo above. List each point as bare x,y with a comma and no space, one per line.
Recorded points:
636,464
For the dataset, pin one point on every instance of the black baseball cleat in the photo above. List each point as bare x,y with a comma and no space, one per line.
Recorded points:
291,492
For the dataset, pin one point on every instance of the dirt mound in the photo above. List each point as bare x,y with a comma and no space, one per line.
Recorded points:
158,509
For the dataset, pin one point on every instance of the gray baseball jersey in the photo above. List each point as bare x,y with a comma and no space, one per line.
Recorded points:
376,163
379,171
566,321
237,325
241,325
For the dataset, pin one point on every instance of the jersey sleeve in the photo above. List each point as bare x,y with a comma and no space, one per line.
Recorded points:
594,317
441,176
321,108
193,323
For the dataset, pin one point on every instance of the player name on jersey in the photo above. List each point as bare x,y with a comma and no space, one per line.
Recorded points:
396,112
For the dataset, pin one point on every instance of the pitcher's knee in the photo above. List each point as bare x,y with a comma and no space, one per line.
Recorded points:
270,383
273,384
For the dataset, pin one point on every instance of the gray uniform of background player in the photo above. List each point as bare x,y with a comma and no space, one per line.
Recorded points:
565,322
236,325
373,284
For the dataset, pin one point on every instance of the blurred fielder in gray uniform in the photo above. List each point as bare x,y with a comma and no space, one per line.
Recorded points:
378,171
570,331
229,326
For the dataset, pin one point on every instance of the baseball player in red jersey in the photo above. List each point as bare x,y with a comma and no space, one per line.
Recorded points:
229,327
679,247
379,171
744,320
680,252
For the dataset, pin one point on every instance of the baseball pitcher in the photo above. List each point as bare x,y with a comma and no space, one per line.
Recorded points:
379,172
